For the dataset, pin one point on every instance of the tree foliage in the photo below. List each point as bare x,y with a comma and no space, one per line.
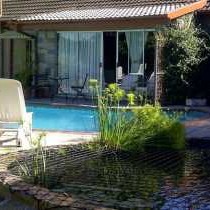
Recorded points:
183,47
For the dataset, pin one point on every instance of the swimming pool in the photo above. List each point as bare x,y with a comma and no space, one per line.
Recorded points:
78,119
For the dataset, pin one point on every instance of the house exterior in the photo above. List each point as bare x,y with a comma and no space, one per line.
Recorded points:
109,40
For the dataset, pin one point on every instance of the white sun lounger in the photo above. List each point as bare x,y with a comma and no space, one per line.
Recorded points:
13,115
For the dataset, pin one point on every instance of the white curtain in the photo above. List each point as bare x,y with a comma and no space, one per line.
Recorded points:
79,54
68,58
136,41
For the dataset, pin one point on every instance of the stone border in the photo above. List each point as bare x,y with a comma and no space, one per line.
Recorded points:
44,196
16,184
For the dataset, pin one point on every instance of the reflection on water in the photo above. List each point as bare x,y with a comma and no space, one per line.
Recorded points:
10,202
151,180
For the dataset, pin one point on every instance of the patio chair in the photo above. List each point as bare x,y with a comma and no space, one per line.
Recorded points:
80,88
13,115
129,82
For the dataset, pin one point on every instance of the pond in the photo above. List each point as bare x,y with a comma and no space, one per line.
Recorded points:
152,180
9,201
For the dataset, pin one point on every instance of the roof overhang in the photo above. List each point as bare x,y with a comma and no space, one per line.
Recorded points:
110,16
187,9
96,25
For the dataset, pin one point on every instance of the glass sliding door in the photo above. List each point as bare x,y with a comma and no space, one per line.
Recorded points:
131,47
79,54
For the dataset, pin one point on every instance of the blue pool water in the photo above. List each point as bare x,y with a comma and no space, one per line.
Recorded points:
78,119
187,115
63,119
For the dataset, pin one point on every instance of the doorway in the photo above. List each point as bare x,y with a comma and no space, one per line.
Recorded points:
109,52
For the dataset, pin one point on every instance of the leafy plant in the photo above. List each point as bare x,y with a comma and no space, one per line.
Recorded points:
25,77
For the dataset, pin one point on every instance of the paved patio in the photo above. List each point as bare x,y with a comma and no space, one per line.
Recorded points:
198,129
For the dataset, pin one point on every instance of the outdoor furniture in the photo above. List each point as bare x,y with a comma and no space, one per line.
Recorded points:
129,82
119,74
13,115
42,86
59,81
80,88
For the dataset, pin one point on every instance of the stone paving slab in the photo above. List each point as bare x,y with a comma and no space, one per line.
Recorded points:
8,140
198,129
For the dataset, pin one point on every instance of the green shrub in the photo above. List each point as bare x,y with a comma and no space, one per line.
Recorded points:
171,137
152,127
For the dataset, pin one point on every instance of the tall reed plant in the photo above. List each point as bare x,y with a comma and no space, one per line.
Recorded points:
134,128
112,119
34,169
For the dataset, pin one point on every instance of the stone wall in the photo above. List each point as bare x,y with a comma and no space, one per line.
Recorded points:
47,57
